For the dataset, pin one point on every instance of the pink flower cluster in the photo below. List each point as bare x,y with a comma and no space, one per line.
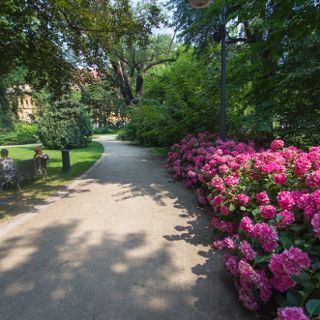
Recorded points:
266,235
285,265
291,313
265,203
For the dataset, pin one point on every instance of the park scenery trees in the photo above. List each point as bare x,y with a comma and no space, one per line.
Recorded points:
110,64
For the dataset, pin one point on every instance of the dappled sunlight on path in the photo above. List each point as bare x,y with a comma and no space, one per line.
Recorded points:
133,246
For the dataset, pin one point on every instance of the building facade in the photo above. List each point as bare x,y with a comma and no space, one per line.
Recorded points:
21,98
26,105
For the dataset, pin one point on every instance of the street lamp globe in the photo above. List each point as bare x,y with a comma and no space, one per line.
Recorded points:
199,4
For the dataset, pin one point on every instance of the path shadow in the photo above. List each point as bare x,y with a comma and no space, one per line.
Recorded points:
13,204
145,176
98,277
61,276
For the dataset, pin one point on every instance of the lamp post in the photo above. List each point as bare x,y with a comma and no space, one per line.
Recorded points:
199,4
66,167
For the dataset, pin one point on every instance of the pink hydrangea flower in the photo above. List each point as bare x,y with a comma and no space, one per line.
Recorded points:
231,264
265,286
282,284
223,226
224,210
280,179
266,236
291,313
290,154
316,224
246,225
302,165
287,219
268,212
313,179
242,198
296,195
289,262
252,280
217,200
223,169
231,180
262,198
227,242
191,174
277,144
314,154
316,198
247,250
285,200
306,203
217,182
248,299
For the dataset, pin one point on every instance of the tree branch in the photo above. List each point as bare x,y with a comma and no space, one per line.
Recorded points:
151,65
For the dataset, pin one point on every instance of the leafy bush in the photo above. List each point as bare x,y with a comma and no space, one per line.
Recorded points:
178,99
24,133
65,124
266,207
110,128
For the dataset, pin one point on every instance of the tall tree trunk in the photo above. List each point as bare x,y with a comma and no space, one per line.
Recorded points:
123,81
139,85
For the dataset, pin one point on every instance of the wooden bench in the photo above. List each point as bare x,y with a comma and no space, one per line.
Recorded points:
26,170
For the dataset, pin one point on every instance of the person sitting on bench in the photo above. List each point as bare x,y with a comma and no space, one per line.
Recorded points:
8,168
40,160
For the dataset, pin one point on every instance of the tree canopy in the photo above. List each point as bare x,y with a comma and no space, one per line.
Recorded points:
273,59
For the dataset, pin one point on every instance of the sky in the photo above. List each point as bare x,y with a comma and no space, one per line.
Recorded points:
163,30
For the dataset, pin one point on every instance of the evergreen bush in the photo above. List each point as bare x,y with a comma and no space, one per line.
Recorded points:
65,124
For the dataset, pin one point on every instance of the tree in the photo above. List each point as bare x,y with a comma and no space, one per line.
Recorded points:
135,60
268,42
65,124
123,49
32,36
103,100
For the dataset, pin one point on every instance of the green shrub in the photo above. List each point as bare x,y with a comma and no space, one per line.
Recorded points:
24,133
9,138
109,128
65,124
178,100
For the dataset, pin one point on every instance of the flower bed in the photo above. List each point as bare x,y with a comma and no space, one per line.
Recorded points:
266,206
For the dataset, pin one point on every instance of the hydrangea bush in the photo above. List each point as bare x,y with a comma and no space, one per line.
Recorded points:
266,207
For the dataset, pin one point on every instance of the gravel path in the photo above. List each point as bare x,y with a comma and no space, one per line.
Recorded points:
125,244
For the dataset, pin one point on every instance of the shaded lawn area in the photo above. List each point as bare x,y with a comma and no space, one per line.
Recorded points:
35,192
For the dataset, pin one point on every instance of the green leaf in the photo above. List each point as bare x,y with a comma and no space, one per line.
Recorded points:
296,227
232,207
264,258
259,259
303,278
255,212
286,242
279,218
292,299
299,242
313,307
242,208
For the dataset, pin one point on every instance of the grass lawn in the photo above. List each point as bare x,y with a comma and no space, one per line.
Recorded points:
35,192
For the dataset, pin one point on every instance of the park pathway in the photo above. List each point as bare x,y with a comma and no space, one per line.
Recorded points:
125,244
